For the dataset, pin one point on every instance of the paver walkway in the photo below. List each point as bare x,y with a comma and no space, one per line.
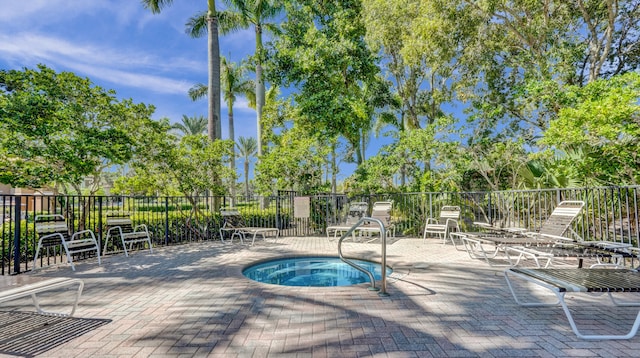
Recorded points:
192,301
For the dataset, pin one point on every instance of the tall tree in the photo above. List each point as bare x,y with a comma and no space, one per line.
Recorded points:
602,119
234,82
247,146
419,76
211,20
191,125
322,50
242,14
58,127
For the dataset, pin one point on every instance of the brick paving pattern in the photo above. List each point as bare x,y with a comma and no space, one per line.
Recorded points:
192,301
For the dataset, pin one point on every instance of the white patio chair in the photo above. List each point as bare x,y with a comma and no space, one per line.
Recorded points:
446,223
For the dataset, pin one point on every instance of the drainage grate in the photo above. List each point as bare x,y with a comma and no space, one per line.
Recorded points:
29,334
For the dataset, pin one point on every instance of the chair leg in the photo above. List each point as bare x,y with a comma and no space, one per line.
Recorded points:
69,258
35,259
106,243
124,247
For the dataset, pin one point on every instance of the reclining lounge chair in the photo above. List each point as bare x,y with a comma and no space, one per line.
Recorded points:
234,225
523,244
357,211
381,210
579,280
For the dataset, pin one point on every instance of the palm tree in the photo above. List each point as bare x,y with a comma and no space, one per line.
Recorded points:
234,82
191,125
247,148
211,20
242,14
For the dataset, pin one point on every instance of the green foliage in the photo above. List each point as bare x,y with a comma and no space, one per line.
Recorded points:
191,125
295,163
192,167
602,120
323,52
58,127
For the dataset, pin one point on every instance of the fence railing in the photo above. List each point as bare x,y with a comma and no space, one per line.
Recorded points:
610,213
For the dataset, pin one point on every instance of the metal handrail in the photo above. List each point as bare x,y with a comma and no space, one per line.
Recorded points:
383,264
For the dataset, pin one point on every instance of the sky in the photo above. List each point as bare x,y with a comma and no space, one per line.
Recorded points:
120,45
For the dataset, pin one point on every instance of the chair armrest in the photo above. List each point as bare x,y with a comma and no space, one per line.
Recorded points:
142,227
82,232
118,228
431,221
451,222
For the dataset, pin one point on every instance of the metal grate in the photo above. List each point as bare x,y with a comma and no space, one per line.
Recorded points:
29,334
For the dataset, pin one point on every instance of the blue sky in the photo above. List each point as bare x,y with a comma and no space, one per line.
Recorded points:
120,45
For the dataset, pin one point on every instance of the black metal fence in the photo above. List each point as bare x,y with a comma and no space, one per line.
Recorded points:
610,213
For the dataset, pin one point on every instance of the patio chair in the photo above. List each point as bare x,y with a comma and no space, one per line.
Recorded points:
381,210
447,222
579,280
53,232
119,224
234,226
526,244
357,210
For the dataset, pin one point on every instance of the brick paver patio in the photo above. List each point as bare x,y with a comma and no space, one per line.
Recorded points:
192,301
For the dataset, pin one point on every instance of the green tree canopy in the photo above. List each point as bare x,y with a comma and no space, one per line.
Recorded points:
58,127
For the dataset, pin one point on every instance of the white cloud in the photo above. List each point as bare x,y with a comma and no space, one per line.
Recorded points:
120,66
28,47
44,12
151,83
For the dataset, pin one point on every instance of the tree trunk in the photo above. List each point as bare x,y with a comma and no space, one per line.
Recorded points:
232,163
334,169
246,179
260,99
214,125
259,96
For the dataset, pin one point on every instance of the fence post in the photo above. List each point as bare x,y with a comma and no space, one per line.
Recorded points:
278,225
17,205
166,220
100,221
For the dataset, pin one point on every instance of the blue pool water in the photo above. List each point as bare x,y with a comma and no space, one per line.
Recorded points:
316,271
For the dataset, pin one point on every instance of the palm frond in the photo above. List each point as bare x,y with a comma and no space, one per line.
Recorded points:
197,26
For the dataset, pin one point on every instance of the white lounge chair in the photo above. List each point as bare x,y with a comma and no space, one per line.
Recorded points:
357,210
234,225
381,210
446,223
14,287
119,224
54,232
521,244
580,280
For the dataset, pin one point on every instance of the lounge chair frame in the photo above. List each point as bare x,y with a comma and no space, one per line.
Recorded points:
120,225
235,225
53,231
596,280
14,287
446,223
357,210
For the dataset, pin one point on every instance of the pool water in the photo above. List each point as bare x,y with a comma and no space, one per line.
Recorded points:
316,271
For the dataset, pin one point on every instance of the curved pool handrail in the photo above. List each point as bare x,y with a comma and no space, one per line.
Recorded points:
383,264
